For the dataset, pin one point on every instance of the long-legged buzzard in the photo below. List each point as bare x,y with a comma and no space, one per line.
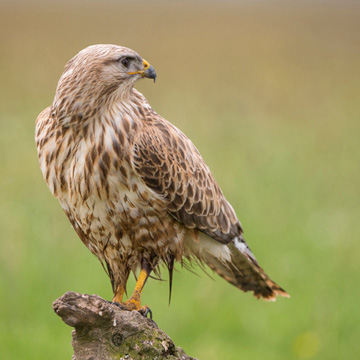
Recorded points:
134,187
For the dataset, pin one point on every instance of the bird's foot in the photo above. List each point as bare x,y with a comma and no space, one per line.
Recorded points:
145,310
134,305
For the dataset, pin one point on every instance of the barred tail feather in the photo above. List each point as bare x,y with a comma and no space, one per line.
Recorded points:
245,273
236,264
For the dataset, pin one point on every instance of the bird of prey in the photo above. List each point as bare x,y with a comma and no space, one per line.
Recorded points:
134,187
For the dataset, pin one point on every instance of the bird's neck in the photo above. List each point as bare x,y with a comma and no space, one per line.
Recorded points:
78,112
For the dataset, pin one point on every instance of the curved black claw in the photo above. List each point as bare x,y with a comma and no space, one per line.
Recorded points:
146,311
117,304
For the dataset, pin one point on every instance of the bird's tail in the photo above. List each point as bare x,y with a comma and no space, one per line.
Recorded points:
243,271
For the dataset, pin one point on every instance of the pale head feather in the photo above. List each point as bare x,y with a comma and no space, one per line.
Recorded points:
95,78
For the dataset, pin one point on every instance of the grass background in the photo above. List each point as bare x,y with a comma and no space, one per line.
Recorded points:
269,92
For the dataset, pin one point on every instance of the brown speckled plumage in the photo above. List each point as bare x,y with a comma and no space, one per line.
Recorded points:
134,187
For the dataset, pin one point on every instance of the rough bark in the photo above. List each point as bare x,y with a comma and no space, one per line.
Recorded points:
103,331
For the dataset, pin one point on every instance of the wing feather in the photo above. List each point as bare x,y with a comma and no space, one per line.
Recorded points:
170,164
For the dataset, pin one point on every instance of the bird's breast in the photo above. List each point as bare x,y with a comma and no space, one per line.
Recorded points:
111,207
108,204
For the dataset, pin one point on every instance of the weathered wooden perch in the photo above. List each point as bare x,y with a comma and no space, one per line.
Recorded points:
103,331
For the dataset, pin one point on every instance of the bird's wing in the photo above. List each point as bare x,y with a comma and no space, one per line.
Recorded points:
169,164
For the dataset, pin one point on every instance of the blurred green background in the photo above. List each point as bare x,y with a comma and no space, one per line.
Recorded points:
269,92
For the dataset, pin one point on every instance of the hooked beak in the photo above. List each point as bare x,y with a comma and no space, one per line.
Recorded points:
148,71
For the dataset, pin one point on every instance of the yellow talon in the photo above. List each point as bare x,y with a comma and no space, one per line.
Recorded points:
134,302
119,293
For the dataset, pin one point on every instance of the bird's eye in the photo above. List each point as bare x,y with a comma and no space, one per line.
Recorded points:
125,62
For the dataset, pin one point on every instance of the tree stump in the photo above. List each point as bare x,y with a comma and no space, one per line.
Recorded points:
103,331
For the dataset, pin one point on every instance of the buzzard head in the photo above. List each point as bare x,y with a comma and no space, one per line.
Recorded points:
97,76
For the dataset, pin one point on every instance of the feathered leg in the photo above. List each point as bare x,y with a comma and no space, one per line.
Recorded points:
134,302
